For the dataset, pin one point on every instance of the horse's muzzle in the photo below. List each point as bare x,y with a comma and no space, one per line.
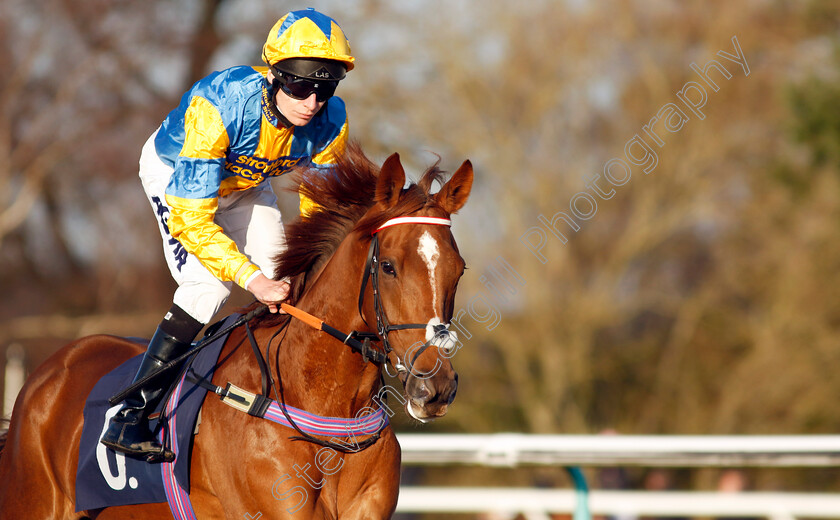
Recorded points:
429,399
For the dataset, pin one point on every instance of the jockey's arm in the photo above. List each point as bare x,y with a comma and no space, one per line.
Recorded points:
192,196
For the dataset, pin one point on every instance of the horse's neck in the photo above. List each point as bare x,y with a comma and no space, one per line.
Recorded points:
325,376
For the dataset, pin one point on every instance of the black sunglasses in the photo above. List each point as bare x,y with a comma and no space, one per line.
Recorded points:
301,88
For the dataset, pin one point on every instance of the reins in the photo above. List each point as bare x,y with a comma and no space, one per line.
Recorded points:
258,405
206,340
351,339
383,327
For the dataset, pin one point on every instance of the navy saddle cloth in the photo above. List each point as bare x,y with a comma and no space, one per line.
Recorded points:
105,478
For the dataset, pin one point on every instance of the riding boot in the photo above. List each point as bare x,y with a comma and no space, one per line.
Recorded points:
129,431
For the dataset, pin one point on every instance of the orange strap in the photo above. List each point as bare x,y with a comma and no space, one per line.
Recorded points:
351,340
305,317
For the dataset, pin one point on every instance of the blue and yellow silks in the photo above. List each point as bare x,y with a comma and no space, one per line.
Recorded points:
224,138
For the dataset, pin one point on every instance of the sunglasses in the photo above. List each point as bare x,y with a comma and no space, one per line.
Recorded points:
301,88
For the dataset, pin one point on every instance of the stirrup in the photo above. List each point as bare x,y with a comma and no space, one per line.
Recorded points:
164,455
151,456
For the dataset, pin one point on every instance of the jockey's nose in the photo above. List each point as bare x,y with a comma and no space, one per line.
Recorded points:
311,102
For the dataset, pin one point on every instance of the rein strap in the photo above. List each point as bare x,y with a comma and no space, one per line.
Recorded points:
362,347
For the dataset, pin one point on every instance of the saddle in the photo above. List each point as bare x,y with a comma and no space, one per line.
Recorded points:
105,478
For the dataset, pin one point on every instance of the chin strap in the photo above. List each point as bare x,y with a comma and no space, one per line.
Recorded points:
269,90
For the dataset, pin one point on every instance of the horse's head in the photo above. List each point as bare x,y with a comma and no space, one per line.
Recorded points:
406,291
413,269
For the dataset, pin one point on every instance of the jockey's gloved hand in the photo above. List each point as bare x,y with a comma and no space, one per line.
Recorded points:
268,291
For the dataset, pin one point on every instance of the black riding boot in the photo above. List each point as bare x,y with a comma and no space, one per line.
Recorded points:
129,431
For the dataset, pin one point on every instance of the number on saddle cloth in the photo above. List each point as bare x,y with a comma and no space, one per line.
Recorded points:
107,479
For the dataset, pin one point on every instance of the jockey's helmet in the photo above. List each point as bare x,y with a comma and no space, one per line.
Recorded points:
308,44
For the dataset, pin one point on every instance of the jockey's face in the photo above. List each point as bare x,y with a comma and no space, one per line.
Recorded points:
299,112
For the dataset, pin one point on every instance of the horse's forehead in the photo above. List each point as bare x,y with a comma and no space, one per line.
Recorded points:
424,239
428,248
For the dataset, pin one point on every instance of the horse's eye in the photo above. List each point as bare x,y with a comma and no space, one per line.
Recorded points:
388,269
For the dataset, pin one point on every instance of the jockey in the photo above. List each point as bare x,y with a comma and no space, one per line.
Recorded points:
205,171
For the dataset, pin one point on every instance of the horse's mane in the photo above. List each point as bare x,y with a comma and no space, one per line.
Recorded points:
344,194
4,434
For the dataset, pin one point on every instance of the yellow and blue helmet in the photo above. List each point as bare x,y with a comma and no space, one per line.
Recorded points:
306,43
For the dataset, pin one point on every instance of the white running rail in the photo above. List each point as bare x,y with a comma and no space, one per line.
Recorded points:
512,450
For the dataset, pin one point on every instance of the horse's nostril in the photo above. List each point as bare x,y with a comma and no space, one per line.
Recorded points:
423,391
421,394
451,394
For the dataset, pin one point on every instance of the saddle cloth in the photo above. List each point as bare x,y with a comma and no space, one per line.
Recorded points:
107,479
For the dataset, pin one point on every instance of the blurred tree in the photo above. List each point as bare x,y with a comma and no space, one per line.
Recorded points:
815,107
646,320
85,86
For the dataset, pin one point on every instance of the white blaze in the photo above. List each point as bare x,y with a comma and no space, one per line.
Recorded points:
430,253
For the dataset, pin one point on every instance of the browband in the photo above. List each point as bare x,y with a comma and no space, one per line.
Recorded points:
413,220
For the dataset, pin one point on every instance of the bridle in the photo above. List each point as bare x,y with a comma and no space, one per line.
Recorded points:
383,326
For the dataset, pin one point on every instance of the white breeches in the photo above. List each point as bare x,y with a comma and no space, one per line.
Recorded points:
250,218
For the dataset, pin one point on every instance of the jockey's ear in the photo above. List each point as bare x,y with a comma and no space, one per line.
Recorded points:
390,182
453,195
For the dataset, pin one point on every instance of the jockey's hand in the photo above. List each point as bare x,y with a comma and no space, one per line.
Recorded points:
270,292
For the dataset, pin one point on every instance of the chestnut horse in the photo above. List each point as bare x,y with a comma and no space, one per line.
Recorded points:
238,460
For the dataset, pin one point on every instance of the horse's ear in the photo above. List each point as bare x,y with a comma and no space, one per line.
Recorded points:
390,182
453,195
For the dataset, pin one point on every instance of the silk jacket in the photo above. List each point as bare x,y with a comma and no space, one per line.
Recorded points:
224,138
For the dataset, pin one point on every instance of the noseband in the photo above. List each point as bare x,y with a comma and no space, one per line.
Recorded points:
371,272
